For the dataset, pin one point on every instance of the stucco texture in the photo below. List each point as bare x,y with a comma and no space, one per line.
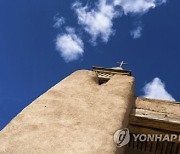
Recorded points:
76,116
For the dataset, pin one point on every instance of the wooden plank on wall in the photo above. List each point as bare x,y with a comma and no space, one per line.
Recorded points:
153,119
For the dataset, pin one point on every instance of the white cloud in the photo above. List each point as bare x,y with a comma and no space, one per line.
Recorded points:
135,6
156,90
138,6
69,45
58,22
97,21
136,33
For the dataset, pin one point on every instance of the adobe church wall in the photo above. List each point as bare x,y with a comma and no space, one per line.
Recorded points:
75,116
161,106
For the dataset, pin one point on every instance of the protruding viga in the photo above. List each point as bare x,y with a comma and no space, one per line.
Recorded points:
76,116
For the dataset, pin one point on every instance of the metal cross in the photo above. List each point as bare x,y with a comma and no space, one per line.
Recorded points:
121,64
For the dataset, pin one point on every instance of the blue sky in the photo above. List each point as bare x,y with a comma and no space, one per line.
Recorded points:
36,40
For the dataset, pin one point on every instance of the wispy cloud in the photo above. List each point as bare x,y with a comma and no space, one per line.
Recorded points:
137,32
96,21
69,45
156,90
58,22
137,6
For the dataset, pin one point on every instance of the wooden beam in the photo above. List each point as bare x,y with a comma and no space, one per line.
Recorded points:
157,120
111,70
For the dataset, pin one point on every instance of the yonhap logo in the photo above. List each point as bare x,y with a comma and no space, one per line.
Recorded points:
121,137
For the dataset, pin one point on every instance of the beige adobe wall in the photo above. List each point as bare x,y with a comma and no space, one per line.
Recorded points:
76,116
161,106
